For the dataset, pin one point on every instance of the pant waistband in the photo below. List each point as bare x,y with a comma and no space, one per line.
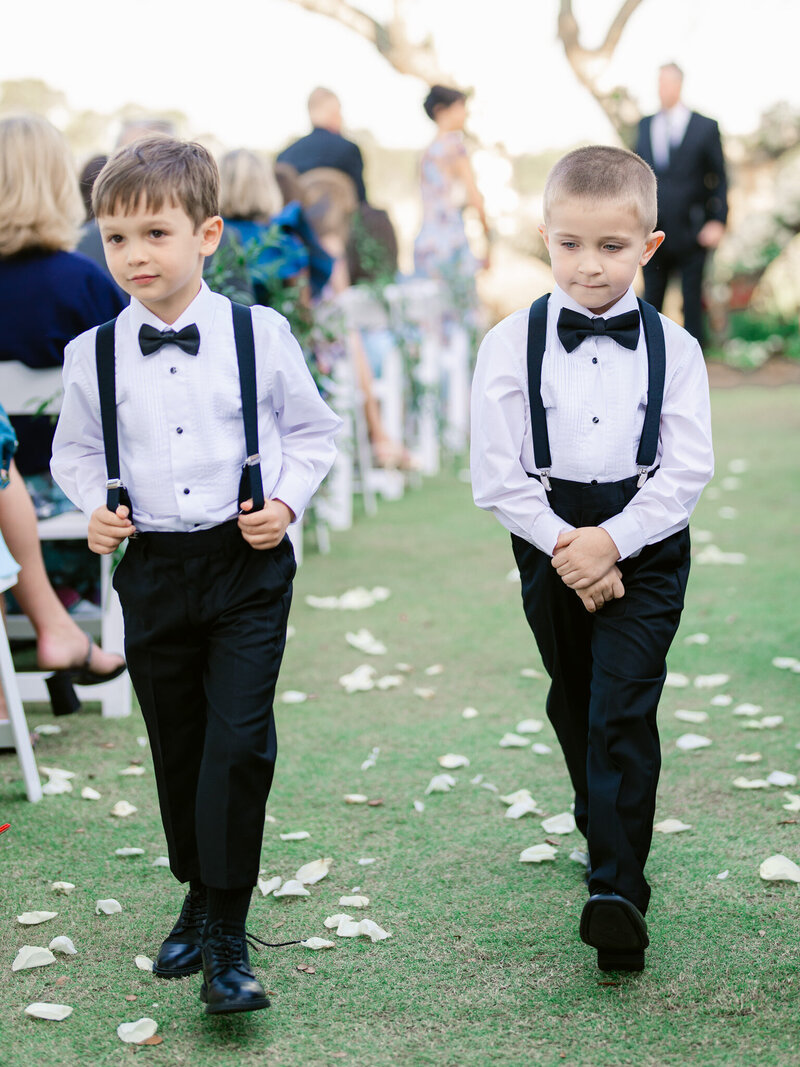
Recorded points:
594,494
187,545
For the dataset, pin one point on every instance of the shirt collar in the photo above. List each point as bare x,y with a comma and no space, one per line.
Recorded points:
200,312
627,302
679,112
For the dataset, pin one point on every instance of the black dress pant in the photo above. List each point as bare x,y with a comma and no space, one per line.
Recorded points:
205,629
607,672
689,264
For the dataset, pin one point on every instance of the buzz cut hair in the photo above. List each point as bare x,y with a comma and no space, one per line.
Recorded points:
601,172
158,171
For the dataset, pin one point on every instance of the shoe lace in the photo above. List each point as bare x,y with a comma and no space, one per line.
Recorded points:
229,948
193,913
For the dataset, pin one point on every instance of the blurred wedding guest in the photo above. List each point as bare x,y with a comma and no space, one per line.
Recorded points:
325,146
441,249
135,129
48,293
285,250
90,242
685,151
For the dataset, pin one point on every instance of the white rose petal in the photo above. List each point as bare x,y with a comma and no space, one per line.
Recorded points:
366,861
404,668
538,854
676,681
364,641
721,700
160,861
370,929
47,729
728,513
419,806
470,713
689,742
749,757
128,851
782,778
530,672
425,694
451,761
751,783
292,888
747,709
738,466
53,1012
122,809
563,823
711,681
315,871
513,575
295,835
579,856
785,663
530,726
32,956
722,876
135,1033
134,771
354,902
317,943
712,554
779,869
696,639
540,749
769,722
90,794
64,888
57,772
355,798
514,741
684,715
268,885
388,681
144,963
293,696
515,798
333,921
290,631
63,945
434,669
490,786
440,783
33,918
526,806
54,786
794,802
702,537
477,779
672,826
109,906
361,680
347,927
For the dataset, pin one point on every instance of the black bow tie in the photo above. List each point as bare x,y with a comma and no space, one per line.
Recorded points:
151,339
574,328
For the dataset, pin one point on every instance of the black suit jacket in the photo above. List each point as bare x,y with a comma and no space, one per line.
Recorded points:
692,189
323,148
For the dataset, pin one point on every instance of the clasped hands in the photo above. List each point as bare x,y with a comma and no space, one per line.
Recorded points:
585,560
261,529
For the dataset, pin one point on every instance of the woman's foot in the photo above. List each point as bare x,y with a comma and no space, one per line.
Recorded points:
69,648
391,455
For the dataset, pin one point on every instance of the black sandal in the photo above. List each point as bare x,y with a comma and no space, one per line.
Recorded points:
60,684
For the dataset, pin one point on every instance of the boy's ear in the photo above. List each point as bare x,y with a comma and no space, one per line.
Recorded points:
651,244
211,231
543,231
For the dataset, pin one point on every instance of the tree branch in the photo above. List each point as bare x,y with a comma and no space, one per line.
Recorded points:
345,13
616,28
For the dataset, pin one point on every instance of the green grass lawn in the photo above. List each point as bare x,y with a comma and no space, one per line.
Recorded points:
485,965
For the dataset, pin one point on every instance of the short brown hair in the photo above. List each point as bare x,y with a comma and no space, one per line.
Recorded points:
601,172
160,169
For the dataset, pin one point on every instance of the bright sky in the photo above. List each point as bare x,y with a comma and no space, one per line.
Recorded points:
242,69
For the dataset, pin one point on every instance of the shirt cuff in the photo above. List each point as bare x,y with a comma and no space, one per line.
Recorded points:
546,530
623,529
93,500
293,491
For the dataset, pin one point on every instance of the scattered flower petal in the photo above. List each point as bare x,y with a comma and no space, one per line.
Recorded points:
541,749
514,741
144,963
470,713
676,681
128,851
33,918
90,794
295,835
794,802
134,771
292,888
54,786
710,681
672,826
361,680
696,639
684,715
357,901
530,726
702,537
721,700
451,761
136,1033
347,927
722,876
388,681
782,778
490,786
63,945
32,956
161,861
53,1012
317,943
526,806
689,742
538,854
517,797
62,887
57,772
769,722
530,672
579,856
404,668
779,869
424,693
749,757
364,641
293,696
477,779
47,729
366,861
785,663
563,823
751,783
315,871
434,669
122,809
355,798
711,554
440,783
738,466
727,513
269,885
747,709
513,575
419,806
370,929
109,906
333,921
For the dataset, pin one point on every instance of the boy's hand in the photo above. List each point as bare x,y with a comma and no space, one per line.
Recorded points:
108,529
584,556
609,587
265,528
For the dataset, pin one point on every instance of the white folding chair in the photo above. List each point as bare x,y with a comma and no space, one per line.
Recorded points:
15,733
24,391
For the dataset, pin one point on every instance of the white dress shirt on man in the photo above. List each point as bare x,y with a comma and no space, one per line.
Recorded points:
595,400
667,130
179,418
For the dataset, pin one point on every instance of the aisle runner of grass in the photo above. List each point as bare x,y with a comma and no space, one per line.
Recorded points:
484,965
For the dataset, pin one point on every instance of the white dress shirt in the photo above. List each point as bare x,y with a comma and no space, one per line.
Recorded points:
595,400
179,418
667,130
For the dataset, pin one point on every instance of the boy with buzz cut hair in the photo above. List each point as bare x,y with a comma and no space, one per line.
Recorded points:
591,443
193,427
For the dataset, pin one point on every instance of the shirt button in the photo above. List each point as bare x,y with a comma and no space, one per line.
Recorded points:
594,359
173,370
185,492
179,430
595,419
594,481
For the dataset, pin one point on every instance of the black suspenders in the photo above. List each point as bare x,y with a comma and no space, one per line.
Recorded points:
251,482
656,370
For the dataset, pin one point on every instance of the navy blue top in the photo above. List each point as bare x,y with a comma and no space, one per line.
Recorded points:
323,148
47,299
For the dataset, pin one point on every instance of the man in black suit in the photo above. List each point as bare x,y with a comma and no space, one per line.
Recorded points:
325,146
685,151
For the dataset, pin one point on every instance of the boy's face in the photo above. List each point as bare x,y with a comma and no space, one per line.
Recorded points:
595,249
158,256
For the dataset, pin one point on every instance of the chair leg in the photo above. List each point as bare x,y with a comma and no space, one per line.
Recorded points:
19,726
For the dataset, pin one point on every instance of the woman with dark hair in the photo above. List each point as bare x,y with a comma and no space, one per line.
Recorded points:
441,249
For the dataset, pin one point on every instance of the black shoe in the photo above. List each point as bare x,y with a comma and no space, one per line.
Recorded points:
181,952
617,929
228,981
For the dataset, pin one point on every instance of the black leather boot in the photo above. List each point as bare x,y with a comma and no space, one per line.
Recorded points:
181,952
228,981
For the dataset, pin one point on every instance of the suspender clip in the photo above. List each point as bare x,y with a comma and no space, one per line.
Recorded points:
544,478
114,483
252,461
643,472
